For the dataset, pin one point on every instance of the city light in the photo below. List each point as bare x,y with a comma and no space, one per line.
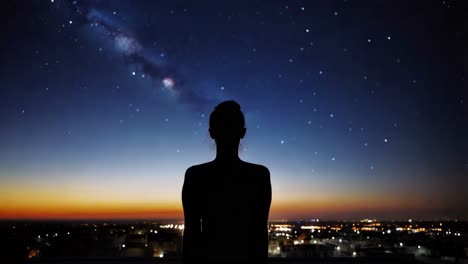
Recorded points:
284,240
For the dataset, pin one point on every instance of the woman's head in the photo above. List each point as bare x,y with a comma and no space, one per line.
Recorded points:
227,123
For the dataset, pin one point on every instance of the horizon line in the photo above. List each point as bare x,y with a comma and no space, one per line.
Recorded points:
315,220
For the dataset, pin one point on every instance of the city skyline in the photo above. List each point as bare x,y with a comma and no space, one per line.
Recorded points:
358,108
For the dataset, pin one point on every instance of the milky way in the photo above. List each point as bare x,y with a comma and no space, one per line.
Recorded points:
96,15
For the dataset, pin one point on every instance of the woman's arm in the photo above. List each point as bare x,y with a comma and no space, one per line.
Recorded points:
192,231
261,218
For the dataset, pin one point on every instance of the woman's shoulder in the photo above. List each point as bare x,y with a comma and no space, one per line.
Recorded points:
199,168
257,168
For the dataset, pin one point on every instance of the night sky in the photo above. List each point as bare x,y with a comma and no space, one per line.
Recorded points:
358,108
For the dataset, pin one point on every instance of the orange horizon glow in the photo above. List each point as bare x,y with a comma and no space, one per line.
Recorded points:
75,201
81,215
140,211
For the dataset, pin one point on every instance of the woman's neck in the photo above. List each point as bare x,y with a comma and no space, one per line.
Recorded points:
227,153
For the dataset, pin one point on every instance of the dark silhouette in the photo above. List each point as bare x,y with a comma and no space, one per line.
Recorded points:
226,201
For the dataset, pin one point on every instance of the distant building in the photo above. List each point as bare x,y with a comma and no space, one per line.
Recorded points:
136,245
308,250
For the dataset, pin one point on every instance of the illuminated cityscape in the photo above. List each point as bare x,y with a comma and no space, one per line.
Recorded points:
423,241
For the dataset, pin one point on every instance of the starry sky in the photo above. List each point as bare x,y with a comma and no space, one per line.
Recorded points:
358,108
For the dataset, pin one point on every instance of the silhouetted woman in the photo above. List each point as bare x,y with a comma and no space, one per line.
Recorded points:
226,201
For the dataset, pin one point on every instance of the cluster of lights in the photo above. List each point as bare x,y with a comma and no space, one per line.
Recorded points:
172,226
313,227
298,242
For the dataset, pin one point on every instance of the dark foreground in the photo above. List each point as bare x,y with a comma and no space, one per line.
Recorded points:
338,260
